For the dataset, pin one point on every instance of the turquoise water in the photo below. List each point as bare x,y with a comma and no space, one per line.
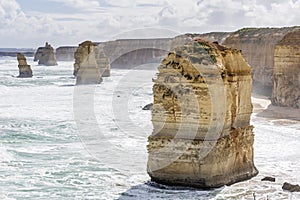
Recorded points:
44,154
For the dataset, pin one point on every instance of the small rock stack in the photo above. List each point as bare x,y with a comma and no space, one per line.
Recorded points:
86,67
202,135
24,69
45,55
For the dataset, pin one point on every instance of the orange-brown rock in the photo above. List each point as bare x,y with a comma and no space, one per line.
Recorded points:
286,78
24,69
202,135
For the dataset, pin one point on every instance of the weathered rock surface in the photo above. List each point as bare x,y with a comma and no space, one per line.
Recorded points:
88,67
286,78
202,135
24,69
257,45
291,187
45,55
65,53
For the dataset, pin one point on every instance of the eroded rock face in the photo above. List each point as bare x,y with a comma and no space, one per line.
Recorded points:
286,78
257,45
45,55
24,69
90,64
65,53
202,135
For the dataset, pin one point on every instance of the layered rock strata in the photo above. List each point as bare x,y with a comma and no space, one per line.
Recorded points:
286,78
24,69
45,55
65,53
86,67
257,45
202,135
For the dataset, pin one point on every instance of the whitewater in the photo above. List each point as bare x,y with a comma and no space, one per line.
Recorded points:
45,153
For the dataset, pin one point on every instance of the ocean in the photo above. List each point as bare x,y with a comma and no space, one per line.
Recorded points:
58,141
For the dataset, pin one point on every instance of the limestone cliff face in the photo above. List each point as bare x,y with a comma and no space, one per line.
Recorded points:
257,45
90,64
202,135
129,53
286,78
24,69
45,55
65,53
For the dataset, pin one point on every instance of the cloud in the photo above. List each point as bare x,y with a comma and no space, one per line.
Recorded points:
99,20
80,4
16,28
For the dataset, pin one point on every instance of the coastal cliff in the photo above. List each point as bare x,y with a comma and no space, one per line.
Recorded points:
24,69
45,55
202,135
65,53
257,45
286,78
129,53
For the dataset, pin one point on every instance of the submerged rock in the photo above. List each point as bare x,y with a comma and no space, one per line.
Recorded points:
45,55
24,69
86,68
286,77
148,106
202,135
291,187
268,178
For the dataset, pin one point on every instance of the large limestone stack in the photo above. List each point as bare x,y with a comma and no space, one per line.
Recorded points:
24,69
286,78
202,135
45,55
257,45
86,68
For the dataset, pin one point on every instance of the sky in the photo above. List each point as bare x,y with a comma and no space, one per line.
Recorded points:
30,23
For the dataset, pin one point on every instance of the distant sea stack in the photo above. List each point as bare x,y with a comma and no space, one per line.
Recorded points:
258,45
65,53
45,55
24,69
86,67
286,78
202,135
